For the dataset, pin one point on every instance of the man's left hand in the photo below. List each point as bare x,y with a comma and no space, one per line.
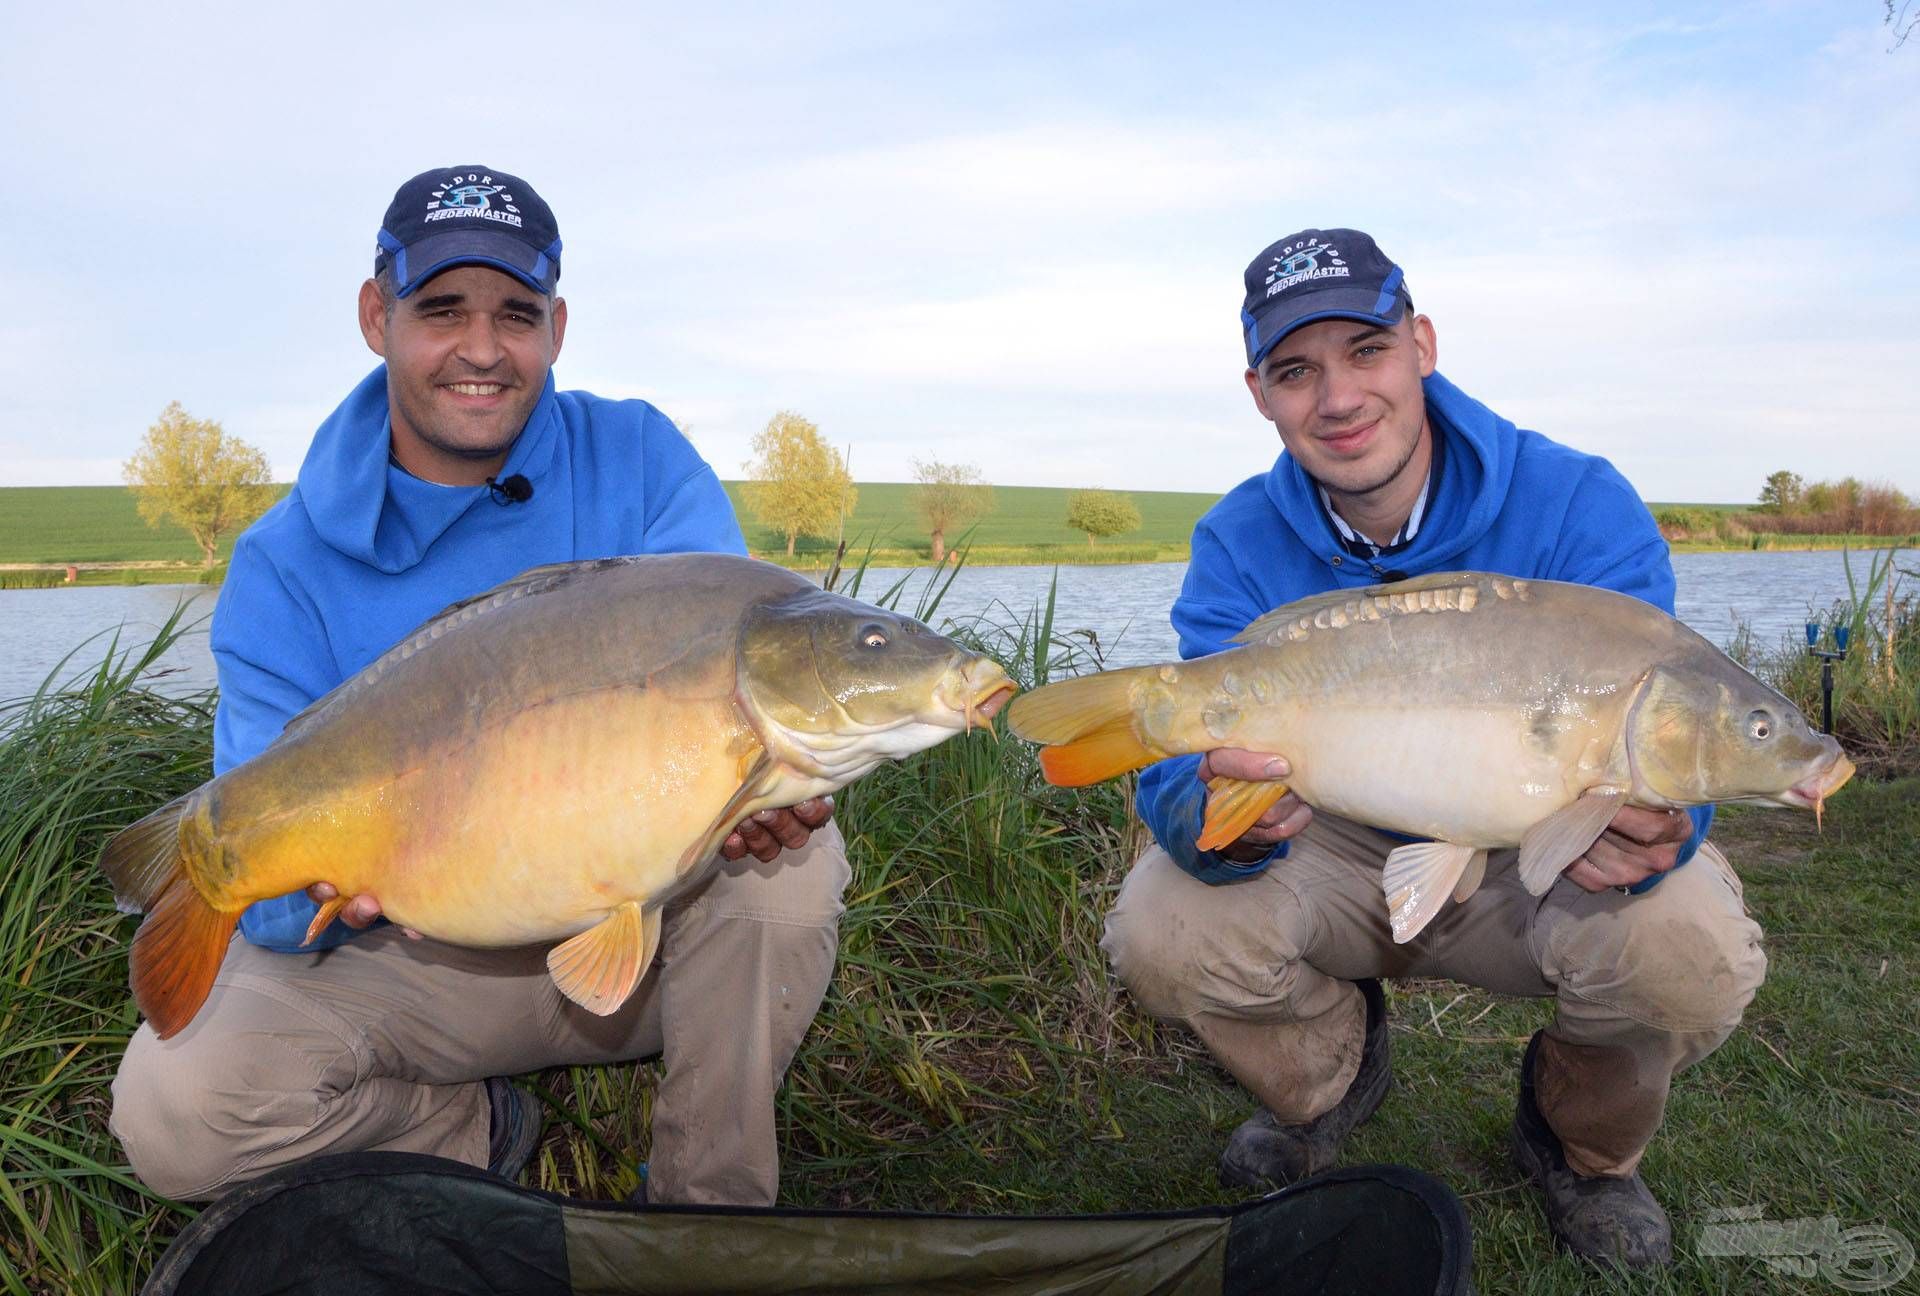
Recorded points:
1636,845
769,832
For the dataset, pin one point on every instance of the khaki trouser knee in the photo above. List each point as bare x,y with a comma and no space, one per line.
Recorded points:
1644,985
381,1043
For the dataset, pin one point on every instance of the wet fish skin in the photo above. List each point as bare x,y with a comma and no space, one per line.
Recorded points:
1478,710
554,759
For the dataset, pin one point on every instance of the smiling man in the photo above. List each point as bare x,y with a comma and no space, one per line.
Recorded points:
456,465
1271,948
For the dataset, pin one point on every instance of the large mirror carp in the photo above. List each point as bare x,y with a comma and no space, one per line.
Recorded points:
1475,710
552,760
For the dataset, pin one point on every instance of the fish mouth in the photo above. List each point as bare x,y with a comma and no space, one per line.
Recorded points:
1814,790
983,689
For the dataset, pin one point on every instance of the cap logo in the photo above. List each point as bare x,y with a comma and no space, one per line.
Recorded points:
472,196
1300,262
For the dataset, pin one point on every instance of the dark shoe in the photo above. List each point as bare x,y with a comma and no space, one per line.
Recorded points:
514,1131
1263,1153
1601,1217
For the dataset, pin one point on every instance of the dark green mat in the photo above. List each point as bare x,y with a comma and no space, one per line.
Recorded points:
391,1224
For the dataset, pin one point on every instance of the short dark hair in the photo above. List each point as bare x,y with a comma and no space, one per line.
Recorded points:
389,295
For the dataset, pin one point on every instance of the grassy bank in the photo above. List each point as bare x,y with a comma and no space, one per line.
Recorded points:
57,525
973,1053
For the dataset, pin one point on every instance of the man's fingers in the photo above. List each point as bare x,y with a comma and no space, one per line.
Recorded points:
785,827
1651,827
1247,766
814,812
321,892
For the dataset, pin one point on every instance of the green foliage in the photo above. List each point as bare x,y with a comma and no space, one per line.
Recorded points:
1782,492
948,497
75,767
797,483
188,471
1876,690
1028,524
1102,513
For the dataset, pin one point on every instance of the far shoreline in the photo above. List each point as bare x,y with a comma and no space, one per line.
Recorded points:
34,575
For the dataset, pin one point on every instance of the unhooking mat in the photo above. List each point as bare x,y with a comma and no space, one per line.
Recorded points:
396,1224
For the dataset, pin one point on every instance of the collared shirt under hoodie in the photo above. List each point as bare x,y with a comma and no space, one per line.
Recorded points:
1508,501
360,552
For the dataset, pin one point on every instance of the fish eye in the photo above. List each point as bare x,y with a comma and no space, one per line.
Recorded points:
1760,725
873,636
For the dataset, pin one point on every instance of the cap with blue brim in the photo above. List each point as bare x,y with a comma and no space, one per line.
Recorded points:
470,215
1317,275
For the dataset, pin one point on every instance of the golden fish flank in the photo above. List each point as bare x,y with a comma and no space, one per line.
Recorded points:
1479,710
552,760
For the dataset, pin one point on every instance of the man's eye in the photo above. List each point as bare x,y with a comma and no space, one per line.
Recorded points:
1368,351
1294,374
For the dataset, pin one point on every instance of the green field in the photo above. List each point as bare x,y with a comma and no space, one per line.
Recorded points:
92,524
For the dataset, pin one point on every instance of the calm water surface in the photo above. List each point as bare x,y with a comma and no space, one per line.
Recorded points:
1124,607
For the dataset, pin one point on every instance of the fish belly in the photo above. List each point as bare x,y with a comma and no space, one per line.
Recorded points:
540,827
1469,775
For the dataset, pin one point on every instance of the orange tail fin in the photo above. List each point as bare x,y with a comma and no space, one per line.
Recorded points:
1088,726
178,949
176,954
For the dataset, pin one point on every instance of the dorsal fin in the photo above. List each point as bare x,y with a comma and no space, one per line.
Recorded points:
535,580
1434,592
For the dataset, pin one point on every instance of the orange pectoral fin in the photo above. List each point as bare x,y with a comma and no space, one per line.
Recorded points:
1101,754
176,954
328,912
1233,806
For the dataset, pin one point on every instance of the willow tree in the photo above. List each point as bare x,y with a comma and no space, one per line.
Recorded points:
1102,513
797,484
948,497
189,472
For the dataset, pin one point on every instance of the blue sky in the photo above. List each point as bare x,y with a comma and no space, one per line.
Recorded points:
1683,236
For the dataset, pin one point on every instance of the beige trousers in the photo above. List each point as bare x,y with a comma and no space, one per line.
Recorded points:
380,1044
1262,970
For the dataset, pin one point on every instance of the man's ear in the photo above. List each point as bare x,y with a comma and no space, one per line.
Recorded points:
1259,394
559,325
1425,345
373,318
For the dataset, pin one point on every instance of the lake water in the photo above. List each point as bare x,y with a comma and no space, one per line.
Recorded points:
1124,606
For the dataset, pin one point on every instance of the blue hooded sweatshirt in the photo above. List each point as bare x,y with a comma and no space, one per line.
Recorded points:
360,552
1504,500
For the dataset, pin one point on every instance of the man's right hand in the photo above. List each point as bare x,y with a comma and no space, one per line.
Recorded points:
1284,818
359,912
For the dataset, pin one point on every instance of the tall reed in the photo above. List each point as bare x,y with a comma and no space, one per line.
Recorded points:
1876,689
76,765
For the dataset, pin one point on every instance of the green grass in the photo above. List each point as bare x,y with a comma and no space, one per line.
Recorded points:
90,524
973,1053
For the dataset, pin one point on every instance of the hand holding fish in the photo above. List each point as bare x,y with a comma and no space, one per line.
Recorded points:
767,833
1637,844
1286,818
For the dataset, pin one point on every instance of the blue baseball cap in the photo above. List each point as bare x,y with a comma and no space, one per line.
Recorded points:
1316,275
468,215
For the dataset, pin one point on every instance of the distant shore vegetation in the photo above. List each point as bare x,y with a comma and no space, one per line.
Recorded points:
97,531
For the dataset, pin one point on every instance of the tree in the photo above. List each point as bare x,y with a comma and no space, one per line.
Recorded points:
190,472
947,497
1782,492
1102,513
797,483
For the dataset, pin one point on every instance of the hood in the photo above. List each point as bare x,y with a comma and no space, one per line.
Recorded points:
361,504
1479,450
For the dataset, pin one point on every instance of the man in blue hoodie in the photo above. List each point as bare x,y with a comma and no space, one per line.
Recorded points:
452,467
1270,948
